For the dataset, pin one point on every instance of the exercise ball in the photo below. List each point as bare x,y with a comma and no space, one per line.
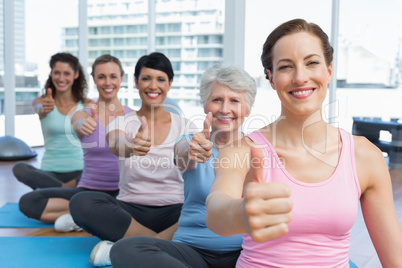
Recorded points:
12,148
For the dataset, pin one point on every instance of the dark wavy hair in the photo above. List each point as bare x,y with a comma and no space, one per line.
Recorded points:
79,88
157,61
291,27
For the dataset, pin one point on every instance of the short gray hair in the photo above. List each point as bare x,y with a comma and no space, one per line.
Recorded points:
233,77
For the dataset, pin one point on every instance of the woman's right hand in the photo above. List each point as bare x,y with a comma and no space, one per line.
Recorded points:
201,147
89,124
142,140
267,206
48,102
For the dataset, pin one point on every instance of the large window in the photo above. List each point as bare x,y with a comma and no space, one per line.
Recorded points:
369,47
137,29
169,28
369,53
38,35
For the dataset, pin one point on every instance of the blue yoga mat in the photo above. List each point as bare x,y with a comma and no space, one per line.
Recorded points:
352,265
55,252
43,252
12,217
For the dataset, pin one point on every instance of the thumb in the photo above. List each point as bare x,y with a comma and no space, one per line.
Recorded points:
207,125
256,172
93,112
144,127
49,93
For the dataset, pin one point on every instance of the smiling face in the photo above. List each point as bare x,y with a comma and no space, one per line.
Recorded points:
300,74
153,86
63,76
229,108
107,77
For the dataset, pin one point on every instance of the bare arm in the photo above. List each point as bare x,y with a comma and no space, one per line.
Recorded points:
225,203
262,211
377,203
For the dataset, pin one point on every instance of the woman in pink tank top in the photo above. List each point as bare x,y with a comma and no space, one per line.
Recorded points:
293,187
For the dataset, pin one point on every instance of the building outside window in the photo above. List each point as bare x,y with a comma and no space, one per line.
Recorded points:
191,33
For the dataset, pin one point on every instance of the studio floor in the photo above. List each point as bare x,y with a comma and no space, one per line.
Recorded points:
11,190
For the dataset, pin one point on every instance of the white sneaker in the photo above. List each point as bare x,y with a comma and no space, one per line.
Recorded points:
100,255
65,224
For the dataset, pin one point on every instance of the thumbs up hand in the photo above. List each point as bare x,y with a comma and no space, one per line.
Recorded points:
48,102
201,147
89,125
142,140
267,206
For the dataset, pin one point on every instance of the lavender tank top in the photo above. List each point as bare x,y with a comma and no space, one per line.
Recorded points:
101,170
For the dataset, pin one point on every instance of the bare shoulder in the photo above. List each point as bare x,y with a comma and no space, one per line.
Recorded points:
365,150
234,157
231,168
241,146
370,164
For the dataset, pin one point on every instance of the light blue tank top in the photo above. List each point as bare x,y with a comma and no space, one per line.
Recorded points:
63,148
192,229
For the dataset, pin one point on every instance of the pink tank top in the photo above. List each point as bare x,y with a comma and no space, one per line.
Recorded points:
323,215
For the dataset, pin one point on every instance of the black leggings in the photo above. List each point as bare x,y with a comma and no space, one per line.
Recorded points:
149,252
37,178
33,203
109,218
